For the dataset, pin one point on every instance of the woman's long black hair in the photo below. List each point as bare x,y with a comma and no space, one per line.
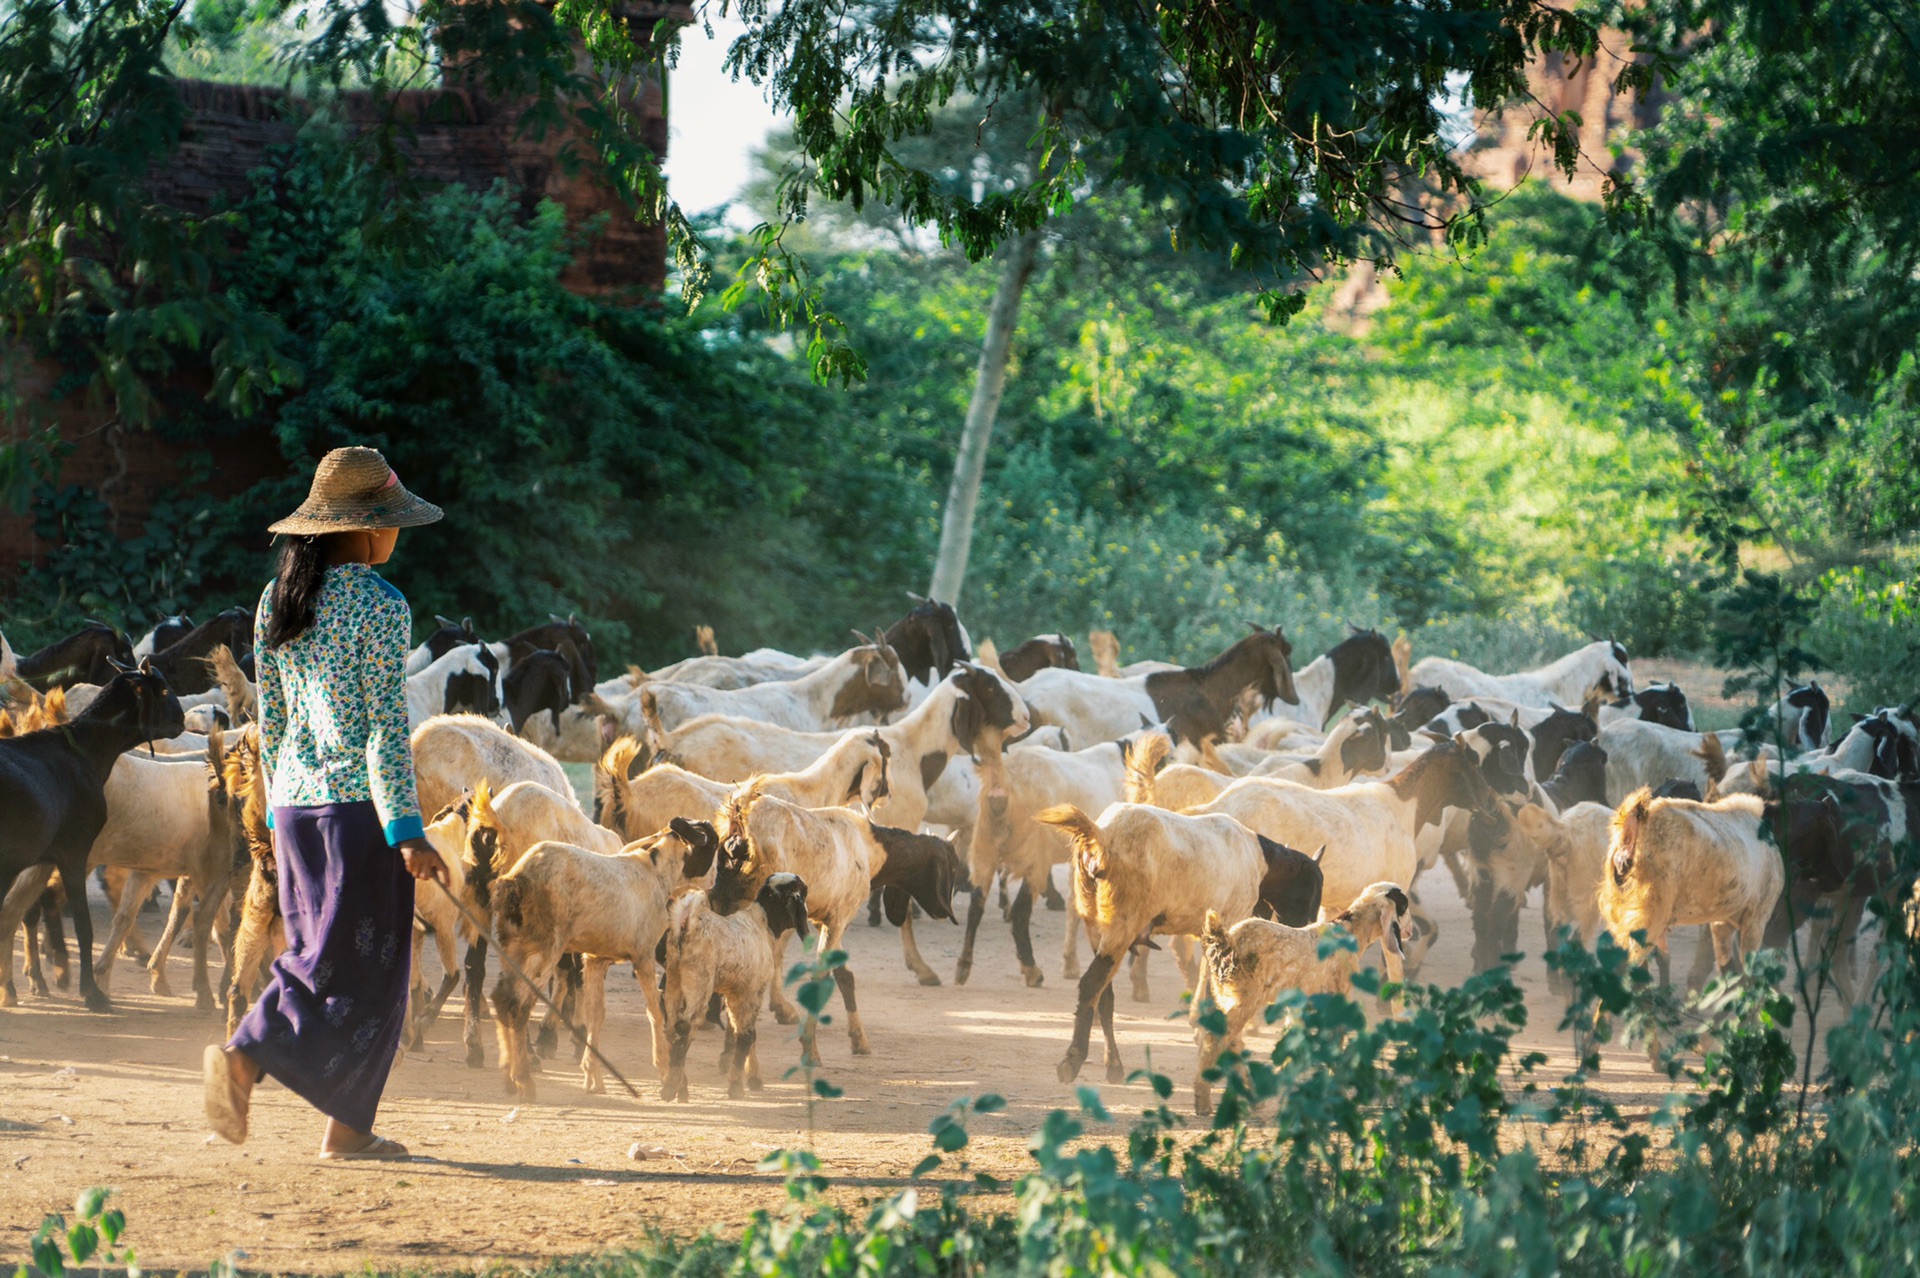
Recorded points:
303,568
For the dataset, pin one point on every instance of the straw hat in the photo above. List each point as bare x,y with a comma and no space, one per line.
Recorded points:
354,488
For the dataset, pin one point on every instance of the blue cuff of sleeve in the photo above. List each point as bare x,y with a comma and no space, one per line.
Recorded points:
404,828
269,818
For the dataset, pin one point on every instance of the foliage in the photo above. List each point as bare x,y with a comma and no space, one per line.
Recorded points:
1421,1142
94,1237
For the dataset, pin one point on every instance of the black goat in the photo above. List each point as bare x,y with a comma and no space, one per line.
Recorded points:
540,680
53,790
185,663
86,656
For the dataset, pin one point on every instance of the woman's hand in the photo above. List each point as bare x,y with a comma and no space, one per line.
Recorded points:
423,862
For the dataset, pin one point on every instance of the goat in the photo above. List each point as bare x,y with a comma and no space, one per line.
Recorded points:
184,663
449,635
53,790
1193,702
1580,778
1661,703
454,753
1356,746
1042,652
499,828
858,684
169,819
929,640
853,771
1600,665
1140,871
947,724
1007,840
538,681
460,681
1356,671
1368,828
842,856
1674,862
1243,969
165,633
1105,646
565,636
561,899
735,957
1641,753
763,665
89,655
262,930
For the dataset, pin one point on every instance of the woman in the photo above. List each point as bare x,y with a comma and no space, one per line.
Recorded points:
331,652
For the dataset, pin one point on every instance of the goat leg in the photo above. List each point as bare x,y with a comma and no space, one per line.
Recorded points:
855,1030
476,977
976,909
1021,916
19,898
1098,980
910,950
73,870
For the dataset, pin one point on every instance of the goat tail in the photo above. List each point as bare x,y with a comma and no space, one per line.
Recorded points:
703,637
1145,757
650,711
1403,662
1714,755
1089,852
1629,828
988,655
733,814
619,759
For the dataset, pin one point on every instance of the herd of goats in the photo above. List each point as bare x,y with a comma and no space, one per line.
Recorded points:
1242,808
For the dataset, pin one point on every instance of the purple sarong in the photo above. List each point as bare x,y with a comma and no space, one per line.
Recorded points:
329,1020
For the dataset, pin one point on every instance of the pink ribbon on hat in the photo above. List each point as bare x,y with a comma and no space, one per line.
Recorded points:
392,480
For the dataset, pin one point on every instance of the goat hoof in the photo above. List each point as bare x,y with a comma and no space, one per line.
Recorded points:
1069,1068
547,1042
1055,901
476,1056
786,1016
97,1001
1069,971
1140,994
63,981
929,978
1035,977
860,1047
203,1002
8,997
1116,1072
37,988
735,1091
961,971
756,1084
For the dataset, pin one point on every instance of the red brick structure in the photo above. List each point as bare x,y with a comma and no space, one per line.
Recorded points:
456,136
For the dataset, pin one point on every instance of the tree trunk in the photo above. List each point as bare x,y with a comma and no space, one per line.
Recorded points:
956,523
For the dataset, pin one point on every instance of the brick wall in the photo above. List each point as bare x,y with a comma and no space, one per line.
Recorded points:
455,136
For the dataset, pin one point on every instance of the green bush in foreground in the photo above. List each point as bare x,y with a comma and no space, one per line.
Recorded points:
1417,1144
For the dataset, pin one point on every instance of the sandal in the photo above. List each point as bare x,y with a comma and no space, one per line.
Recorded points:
226,1103
379,1149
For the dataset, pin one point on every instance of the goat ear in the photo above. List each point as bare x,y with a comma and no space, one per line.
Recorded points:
1254,626
918,599
897,903
968,719
1399,898
1321,853
1514,722
797,914
443,623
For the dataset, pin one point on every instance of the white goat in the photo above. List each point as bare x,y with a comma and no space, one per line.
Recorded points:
1243,968
736,956
561,899
454,753
1674,862
1141,871
427,690
852,688
1641,753
1601,665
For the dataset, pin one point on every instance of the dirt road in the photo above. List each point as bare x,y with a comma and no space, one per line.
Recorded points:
115,1100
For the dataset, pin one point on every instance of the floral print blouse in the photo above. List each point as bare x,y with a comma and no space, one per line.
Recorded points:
333,702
